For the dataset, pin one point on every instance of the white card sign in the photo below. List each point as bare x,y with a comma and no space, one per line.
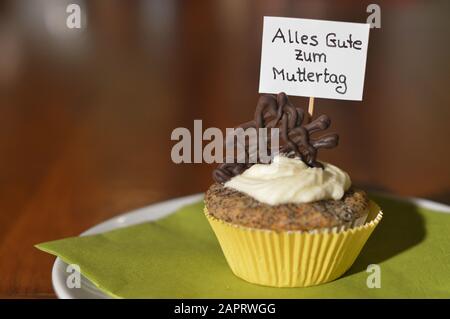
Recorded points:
314,58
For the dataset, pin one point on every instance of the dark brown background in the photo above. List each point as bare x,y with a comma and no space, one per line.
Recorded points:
86,116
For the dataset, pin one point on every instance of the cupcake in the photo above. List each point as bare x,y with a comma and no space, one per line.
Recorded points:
293,221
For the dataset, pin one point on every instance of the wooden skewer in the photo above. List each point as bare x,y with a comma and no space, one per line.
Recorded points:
311,106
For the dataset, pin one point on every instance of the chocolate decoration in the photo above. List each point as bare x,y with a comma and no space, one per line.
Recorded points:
295,136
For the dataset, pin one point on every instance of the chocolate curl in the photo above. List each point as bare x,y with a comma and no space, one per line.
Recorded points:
328,141
278,112
226,171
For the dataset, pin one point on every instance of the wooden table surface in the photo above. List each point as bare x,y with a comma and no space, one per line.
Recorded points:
86,115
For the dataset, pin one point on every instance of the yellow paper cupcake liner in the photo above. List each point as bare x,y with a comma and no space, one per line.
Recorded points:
292,258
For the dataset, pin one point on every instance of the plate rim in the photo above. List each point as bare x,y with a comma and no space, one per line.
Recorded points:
62,292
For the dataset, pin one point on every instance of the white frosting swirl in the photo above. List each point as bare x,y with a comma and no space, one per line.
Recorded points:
289,180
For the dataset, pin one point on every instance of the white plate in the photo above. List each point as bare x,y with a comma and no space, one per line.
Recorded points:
150,213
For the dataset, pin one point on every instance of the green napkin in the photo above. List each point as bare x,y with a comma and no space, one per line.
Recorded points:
179,257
